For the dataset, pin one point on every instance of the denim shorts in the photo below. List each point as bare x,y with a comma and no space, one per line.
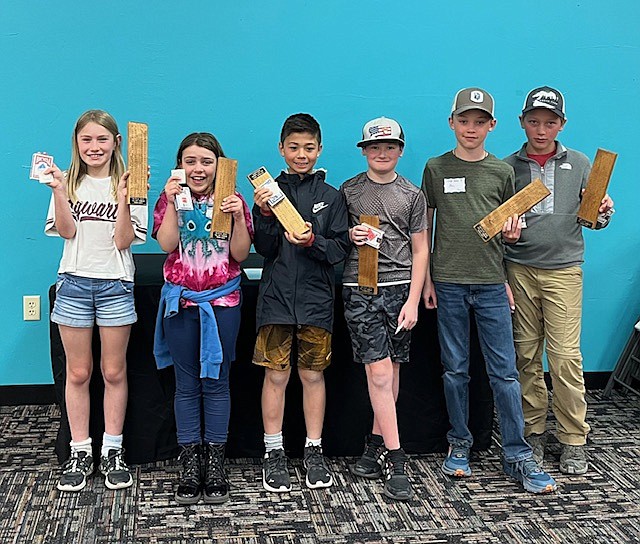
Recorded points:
82,301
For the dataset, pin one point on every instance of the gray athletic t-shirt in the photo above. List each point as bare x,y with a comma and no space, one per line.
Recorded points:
402,210
463,193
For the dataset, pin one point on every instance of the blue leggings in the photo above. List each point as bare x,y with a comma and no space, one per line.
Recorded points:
195,396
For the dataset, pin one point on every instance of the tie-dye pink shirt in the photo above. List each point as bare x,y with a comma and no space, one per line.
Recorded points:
200,262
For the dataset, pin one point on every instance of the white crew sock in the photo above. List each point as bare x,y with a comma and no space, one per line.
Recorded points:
273,442
313,442
82,445
110,442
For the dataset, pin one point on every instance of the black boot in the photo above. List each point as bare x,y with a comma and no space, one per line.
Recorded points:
190,484
216,486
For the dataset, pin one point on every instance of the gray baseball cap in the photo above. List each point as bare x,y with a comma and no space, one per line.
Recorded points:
381,129
472,98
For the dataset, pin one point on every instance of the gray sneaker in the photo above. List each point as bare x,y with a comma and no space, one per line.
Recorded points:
538,443
573,459
75,471
117,474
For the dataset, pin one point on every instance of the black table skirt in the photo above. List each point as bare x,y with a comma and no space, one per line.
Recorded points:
149,430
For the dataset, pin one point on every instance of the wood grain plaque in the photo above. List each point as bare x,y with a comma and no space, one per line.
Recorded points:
226,173
368,261
137,162
521,202
596,187
284,211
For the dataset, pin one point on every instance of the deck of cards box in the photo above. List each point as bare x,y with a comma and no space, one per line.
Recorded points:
182,200
39,163
374,236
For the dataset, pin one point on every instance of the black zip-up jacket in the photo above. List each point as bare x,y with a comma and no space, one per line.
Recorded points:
298,283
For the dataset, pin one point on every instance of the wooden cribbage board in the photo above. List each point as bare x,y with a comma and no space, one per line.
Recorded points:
596,187
368,261
137,162
286,213
521,202
226,173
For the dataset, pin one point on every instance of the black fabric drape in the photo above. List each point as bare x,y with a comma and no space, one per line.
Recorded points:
149,431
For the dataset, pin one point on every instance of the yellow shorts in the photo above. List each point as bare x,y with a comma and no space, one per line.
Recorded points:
274,342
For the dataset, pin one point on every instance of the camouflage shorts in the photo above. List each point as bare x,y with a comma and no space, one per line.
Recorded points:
274,344
372,322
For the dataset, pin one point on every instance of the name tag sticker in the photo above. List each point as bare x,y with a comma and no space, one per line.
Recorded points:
454,185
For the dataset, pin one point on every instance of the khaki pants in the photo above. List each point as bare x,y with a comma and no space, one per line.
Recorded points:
549,309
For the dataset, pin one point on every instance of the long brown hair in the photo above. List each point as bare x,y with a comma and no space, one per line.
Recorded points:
78,169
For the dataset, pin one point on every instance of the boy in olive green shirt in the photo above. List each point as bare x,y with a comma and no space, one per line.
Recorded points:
464,185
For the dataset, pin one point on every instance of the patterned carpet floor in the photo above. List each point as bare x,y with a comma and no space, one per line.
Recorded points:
601,506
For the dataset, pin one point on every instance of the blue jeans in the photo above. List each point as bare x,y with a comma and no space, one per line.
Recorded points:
195,396
495,332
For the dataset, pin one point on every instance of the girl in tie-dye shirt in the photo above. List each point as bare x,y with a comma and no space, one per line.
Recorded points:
204,272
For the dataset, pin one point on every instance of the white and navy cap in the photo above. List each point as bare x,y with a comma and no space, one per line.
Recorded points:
381,129
472,98
547,98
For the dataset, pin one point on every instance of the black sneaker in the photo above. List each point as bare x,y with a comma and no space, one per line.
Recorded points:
216,485
190,484
75,471
275,472
318,472
396,485
372,460
116,472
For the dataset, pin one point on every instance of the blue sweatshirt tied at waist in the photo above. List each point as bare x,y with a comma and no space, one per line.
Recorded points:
210,346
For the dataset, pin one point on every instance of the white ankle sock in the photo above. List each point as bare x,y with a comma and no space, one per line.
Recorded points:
110,442
313,442
273,442
82,445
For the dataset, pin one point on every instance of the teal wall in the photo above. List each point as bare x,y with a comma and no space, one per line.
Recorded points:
239,68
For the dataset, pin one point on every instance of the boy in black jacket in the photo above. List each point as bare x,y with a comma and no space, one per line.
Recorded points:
296,298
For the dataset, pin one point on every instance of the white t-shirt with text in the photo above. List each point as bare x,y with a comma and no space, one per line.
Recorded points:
92,252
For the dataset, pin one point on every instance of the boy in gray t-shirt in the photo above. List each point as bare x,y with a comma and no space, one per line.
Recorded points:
380,325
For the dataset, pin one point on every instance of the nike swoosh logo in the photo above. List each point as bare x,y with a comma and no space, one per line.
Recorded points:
319,206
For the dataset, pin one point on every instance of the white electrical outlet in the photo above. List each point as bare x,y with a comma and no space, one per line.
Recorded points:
31,307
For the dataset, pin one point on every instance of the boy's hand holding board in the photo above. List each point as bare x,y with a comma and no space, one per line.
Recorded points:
519,203
281,206
368,257
596,188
